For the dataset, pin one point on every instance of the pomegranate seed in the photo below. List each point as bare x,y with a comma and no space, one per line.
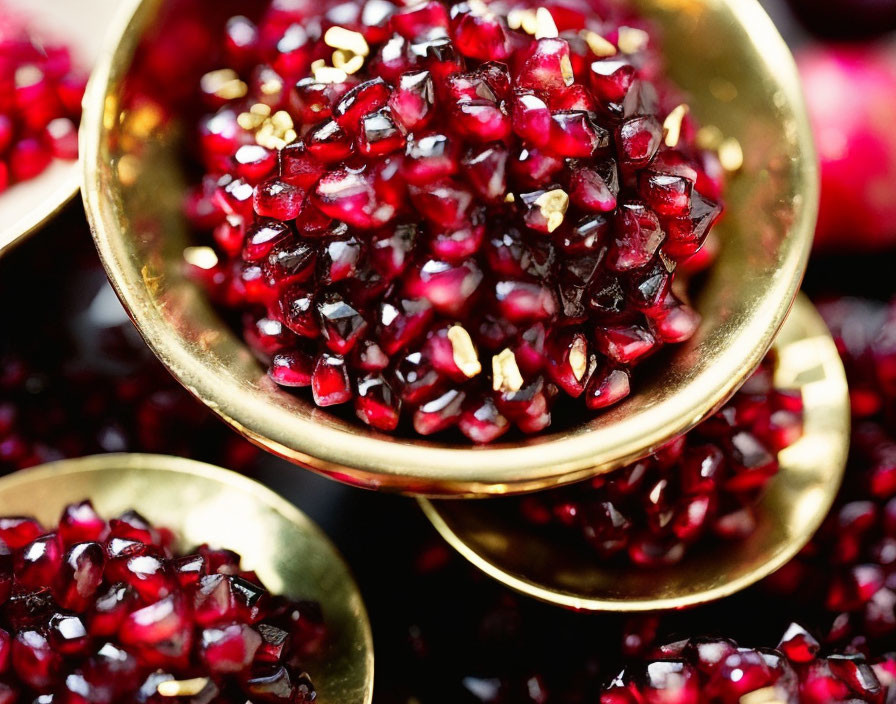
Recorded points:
420,20
277,199
482,37
229,648
376,403
429,158
62,135
379,134
639,139
34,660
448,288
16,532
546,66
80,575
328,142
482,422
292,369
798,645
351,197
401,322
412,100
575,134
298,167
364,98
29,158
38,562
611,79
595,189
440,413
329,381
638,237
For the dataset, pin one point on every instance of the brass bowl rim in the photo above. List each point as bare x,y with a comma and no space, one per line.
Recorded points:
362,458
227,477
807,312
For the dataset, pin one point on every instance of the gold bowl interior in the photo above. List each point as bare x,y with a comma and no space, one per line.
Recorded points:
492,535
740,77
202,503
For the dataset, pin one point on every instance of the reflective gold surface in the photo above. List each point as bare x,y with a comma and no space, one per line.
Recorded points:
740,77
202,503
522,557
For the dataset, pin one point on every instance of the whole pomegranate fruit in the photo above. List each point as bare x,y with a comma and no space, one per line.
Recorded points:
851,92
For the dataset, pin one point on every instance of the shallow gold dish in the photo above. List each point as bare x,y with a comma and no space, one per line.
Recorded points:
26,206
741,78
202,503
494,538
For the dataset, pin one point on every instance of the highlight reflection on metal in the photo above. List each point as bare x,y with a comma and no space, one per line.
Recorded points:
494,538
202,503
133,185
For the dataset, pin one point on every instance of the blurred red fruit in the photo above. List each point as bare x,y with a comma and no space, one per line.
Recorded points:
851,92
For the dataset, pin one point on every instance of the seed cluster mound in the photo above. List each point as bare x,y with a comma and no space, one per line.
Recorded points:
40,101
716,670
847,574
104,613
453,214
703,484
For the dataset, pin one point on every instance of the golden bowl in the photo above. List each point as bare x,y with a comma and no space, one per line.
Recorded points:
26,206
493,536
741,78
202,503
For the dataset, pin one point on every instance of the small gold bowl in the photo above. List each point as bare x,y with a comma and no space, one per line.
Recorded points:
202,503
495,538
741,78
26,206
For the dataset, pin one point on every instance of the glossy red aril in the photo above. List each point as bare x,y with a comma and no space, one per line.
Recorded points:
80,576
656,510
277,199
453,166
330,381
412,100
17,531
42,105
128,608
38,562
34,660
229,649
376,403
856,151
81,523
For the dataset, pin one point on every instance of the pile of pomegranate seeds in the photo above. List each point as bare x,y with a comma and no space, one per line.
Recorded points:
702,484
450,214
52,407
847,574
699,670
96,612
78,379
40,102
